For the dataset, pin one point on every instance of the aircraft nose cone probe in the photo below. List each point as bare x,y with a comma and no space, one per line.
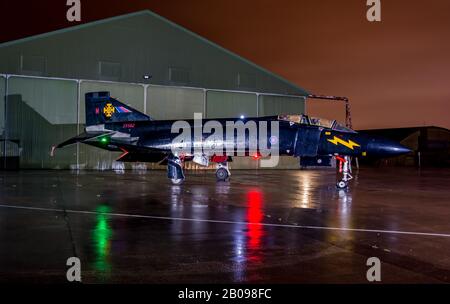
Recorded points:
386,148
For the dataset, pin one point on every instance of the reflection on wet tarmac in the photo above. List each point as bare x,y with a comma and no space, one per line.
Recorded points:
305,187
342,218
248,239
101,236
254,218
262,226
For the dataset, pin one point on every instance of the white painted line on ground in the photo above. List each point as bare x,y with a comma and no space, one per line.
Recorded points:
154,217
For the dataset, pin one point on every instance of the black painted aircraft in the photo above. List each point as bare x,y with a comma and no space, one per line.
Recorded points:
114,126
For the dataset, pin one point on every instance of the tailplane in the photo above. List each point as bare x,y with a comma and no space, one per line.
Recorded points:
102,108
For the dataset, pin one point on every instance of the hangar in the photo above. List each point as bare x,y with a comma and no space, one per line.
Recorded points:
144,60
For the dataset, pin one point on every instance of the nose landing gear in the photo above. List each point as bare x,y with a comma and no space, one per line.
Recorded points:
345,167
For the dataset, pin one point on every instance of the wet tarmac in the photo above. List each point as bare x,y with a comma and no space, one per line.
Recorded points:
280,226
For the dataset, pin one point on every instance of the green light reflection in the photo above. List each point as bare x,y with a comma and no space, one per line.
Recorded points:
102,240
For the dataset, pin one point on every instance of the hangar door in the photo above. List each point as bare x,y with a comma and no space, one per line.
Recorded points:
230,104
41,113
174,103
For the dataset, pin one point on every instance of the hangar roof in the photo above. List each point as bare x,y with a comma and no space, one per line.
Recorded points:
124,48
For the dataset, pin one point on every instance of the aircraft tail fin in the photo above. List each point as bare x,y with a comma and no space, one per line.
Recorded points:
102,108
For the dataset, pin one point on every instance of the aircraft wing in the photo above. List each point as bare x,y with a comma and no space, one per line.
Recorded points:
130,152
83,137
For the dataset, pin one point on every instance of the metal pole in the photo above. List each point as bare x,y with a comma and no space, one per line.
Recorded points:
205,91
145,98
257,104
78,120
5,129
419,160
348,117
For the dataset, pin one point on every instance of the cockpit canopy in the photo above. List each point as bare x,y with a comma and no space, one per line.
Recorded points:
315,121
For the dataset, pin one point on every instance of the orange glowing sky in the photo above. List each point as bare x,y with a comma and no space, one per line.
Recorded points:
395,72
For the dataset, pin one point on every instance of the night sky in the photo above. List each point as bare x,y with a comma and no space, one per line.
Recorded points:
395,72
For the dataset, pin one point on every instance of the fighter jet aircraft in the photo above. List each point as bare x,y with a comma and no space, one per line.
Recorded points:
115,126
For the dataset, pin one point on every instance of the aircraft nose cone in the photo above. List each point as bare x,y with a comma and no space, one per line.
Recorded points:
386,148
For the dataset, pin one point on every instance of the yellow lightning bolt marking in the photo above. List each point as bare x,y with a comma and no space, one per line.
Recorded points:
349,144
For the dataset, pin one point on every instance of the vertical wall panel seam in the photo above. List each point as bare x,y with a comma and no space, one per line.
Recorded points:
145,98
78,120
6,118
204,102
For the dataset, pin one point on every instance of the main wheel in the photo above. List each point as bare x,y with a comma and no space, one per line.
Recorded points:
222,174
341,184
177,181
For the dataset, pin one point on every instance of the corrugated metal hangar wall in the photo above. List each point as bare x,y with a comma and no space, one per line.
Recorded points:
45,78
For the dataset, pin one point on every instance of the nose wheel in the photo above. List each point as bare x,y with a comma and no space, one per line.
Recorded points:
342,184
222,172
177,181
345,167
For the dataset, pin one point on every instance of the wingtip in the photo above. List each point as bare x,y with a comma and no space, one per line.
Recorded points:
52,151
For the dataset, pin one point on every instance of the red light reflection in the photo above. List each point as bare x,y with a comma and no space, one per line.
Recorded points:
256,156
255,229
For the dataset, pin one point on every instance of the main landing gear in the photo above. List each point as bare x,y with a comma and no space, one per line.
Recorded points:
175,170
222,172
345,167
